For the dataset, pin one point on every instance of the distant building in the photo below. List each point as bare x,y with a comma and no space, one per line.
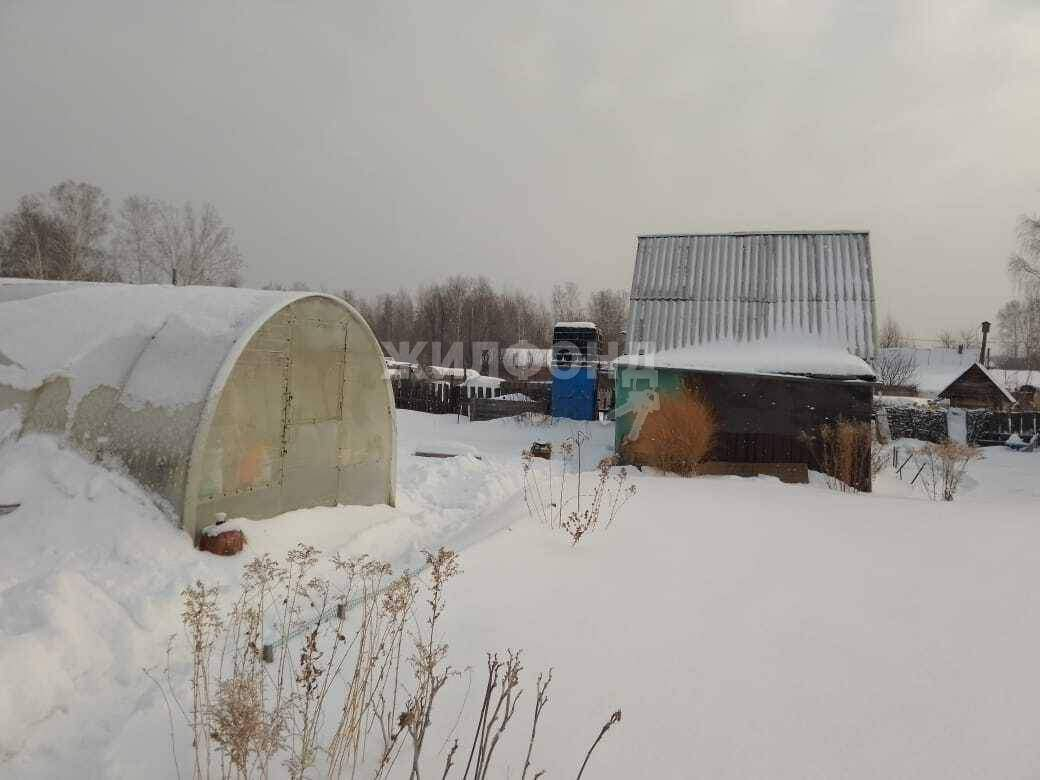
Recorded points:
976,388
772,329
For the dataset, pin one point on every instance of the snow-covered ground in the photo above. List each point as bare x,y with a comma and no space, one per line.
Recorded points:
746,628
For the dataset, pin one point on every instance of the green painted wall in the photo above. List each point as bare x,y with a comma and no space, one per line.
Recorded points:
630,394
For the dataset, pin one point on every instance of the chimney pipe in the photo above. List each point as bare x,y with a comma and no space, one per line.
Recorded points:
985,336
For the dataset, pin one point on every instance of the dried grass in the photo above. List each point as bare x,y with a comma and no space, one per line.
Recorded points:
843,452
262,673
555,496
945,465
677,436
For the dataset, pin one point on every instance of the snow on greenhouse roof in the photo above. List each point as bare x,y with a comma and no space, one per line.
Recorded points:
162,345
783,354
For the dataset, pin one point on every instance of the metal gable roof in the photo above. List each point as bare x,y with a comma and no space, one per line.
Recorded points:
691,289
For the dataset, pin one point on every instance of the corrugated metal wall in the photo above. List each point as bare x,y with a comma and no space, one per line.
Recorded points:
692,289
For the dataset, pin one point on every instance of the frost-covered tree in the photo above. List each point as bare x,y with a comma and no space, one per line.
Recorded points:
892,334
194,246
85,214
566,303
58,235
895,365
1024,264
1018,328
133,245
609,309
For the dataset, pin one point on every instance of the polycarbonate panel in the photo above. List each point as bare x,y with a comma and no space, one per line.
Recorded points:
243,452
289,390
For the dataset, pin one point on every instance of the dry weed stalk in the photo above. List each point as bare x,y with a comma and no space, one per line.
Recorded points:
554,495
879,458
262,677
614,718
843,452
677,436
945,465
503,680
428,656
541,699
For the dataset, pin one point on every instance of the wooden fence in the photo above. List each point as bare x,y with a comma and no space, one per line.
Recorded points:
481,409
984,427
448,398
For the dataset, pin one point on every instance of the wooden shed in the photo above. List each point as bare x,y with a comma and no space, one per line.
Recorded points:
772,329
975,388
769,413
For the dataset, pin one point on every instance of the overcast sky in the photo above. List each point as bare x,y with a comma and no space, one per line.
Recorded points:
379,144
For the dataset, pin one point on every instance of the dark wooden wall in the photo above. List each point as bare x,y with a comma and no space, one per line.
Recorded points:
974,390
765,419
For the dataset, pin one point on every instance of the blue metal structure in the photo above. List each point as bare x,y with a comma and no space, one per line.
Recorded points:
575,361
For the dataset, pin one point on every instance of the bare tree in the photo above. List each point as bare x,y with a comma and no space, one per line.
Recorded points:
609,309
84,212
31,241
566,302
134,248
892,334
1024,265
895,365
947,339
968,337
194,246
59,235
1018,327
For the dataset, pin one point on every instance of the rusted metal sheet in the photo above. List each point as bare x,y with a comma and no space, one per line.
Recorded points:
691,289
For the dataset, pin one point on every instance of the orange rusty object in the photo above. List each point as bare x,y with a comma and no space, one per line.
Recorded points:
228,542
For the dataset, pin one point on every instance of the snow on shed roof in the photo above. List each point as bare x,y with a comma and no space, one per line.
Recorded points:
163,345
986,374
575,325
934,367
779,354
698,288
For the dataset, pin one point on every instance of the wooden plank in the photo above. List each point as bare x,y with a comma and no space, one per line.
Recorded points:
792,473
481,409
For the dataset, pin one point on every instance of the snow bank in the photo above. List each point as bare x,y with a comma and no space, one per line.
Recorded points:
831,635
91,572
778,354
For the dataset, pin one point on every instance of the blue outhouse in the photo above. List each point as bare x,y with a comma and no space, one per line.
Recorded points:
575,366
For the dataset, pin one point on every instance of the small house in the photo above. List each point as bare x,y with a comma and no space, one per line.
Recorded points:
975,388
772,330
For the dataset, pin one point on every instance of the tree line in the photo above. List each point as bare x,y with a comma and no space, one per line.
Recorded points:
71,233
423,325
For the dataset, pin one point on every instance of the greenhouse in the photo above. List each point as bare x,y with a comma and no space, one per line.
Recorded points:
246,402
